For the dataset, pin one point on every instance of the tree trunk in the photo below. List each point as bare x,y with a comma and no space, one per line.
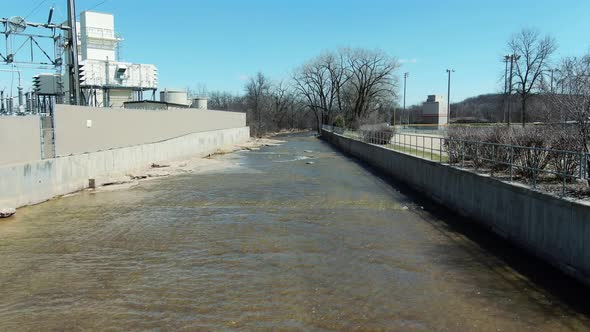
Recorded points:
523,110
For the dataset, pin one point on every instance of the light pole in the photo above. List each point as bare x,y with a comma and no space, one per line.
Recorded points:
449,71
551,84
506,60
406,75
513,59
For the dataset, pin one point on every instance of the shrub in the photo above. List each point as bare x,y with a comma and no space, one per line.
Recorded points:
339,122
464,143
532,157
377,134
529,149
565,164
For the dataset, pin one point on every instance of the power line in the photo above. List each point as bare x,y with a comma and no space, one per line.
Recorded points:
98,4
36,8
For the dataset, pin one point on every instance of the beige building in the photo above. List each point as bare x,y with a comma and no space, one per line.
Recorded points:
434,110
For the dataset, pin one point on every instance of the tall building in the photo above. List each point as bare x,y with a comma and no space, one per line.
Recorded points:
105,81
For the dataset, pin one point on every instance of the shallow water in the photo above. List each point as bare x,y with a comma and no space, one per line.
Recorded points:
275,243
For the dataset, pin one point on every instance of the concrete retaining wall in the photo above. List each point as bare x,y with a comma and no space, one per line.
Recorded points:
81,129
20,139
555,229
34,182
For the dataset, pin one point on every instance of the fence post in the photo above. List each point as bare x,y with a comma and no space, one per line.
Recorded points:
535,176
462,154
475,160
563,174
511,160
493,160
582,165
440,143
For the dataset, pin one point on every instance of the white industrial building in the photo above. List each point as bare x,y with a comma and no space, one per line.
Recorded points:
104,80
434,110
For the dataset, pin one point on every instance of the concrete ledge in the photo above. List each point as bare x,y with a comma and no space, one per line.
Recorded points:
35,182
552,228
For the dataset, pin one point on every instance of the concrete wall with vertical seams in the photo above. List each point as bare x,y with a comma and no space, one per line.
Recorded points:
555,229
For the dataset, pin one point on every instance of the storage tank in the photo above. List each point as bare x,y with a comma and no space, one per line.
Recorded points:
199,103
174,96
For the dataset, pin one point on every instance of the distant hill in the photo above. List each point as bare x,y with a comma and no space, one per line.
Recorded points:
492,107
482,108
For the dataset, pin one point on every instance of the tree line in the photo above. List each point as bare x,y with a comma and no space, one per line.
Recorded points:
346,87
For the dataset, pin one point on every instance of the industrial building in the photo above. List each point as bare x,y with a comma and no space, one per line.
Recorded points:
104,80
181,97
152,105
434,110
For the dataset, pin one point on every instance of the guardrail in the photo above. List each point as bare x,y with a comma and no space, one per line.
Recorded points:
547,169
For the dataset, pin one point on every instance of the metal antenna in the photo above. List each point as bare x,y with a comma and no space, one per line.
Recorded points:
50,15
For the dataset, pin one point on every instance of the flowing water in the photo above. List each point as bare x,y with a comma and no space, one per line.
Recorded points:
289,240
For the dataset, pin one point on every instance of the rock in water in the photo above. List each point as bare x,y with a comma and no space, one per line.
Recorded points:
5,213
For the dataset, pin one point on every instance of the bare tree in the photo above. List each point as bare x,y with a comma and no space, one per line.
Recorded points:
281,99
198,90
339,76
257,93
573,99
314,84
371,79
351,82
533,53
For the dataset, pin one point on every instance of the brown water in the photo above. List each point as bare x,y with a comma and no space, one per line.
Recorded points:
275,244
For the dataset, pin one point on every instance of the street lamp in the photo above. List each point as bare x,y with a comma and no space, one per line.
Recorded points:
406,75
449,71
513,59
506,59
552,70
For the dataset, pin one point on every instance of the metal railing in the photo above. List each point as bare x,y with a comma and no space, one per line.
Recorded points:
547,169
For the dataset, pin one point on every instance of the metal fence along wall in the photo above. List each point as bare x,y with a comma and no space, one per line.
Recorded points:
546,169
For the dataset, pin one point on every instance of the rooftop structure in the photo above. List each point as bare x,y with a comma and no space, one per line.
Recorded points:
152,105
104,80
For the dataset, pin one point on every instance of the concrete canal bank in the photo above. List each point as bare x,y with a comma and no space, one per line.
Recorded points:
554,229
96,145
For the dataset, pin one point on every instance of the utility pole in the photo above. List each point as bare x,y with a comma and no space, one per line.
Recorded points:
73,68
406,75
449,71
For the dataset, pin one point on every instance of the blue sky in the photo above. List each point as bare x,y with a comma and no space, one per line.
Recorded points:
219,43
